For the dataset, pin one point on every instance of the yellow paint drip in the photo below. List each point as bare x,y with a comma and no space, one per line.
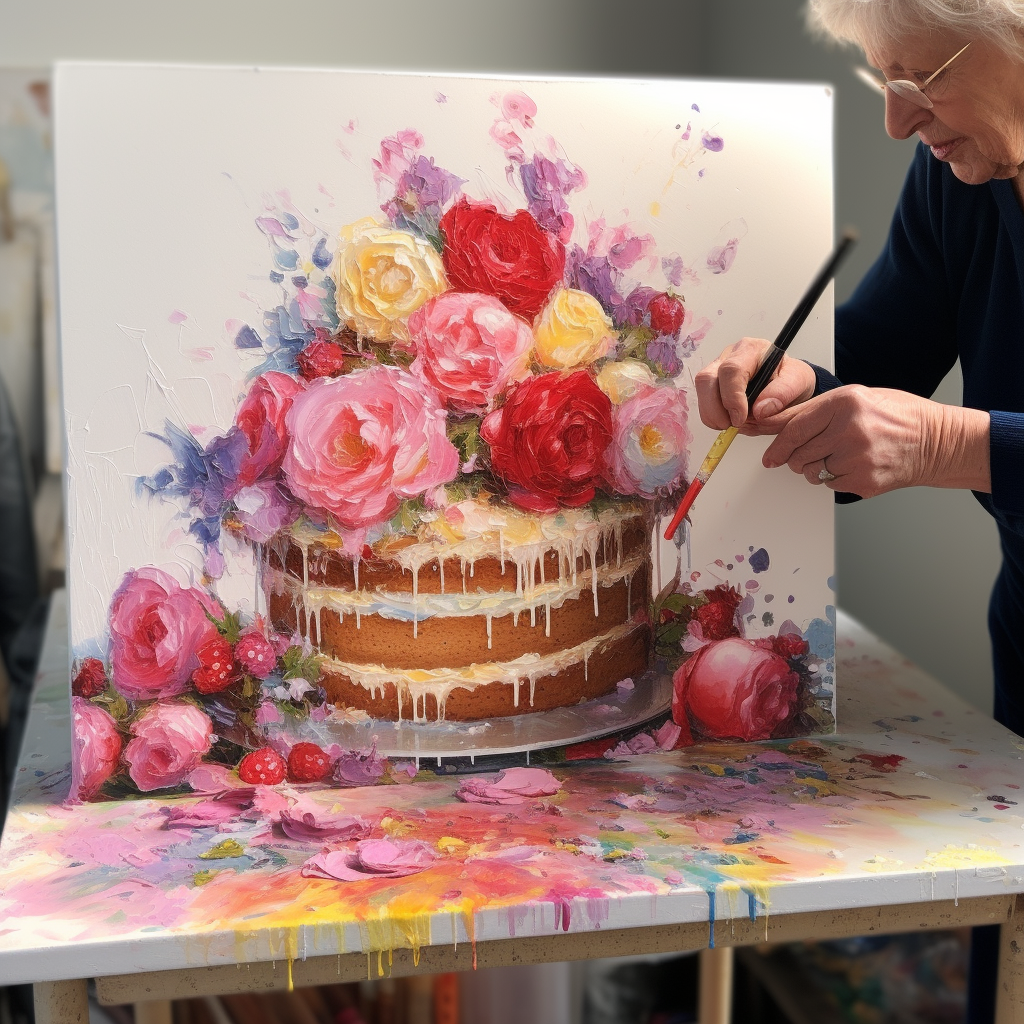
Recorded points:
291,952
655,209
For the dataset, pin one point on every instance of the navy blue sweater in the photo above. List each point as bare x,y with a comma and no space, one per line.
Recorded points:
949,284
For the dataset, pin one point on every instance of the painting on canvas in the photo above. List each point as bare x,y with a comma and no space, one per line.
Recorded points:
378,390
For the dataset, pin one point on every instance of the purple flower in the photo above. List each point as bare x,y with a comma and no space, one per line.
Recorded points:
712,143
633,311
263,509
546,184
662,353
421,189
359,768
595,276
721,257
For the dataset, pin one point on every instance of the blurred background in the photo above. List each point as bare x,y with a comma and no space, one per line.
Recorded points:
915,566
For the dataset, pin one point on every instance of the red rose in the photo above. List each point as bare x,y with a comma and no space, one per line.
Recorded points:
786,645
510,257
91,679
666,313
261,418
734,689
321,358
717,618
548,440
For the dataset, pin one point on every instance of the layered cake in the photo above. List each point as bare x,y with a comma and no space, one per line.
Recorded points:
505,613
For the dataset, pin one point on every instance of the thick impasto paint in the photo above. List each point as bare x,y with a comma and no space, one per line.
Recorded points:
377,388
918,797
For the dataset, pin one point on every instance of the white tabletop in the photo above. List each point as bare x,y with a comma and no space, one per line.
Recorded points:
917,798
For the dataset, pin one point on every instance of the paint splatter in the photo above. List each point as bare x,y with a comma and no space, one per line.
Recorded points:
759,560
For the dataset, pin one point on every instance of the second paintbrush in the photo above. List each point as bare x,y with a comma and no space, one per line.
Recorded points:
764,373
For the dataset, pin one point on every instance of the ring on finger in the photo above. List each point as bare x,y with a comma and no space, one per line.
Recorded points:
823,474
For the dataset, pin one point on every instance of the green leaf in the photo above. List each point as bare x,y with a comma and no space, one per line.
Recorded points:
407,518
230,627
299,666
465,435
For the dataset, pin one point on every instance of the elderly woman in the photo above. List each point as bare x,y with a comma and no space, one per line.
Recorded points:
949,284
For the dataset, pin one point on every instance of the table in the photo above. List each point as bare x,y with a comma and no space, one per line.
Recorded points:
912,816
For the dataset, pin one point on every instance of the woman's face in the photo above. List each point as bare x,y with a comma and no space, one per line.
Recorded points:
976,123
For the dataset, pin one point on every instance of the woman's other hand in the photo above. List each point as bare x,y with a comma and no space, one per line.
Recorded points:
721,388
875,440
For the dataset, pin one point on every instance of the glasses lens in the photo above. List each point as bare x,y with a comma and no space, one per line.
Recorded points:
909,91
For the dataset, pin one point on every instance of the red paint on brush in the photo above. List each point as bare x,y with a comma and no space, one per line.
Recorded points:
684,506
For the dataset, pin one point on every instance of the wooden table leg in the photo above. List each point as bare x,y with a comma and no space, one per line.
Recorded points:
1010,986
714,989
156,1012
61,1002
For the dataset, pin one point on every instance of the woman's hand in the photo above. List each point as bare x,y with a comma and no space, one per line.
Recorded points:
875,440
721,388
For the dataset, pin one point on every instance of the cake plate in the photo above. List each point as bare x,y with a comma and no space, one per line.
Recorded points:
618,711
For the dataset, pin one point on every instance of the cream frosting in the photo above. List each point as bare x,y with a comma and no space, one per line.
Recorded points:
415,685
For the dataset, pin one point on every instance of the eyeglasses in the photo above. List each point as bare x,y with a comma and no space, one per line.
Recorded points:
902,87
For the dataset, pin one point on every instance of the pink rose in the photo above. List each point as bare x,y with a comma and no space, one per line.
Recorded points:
261,417
97,748
469,347
362,442
168,742
650,442
510,786
156,627
371,858
734,689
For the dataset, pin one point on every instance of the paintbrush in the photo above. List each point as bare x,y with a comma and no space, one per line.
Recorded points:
764,373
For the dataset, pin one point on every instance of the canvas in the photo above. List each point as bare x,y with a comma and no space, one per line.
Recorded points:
378,390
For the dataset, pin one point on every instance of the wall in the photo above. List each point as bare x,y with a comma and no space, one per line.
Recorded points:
915,566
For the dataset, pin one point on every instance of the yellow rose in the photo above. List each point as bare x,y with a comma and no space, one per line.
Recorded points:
572,330
621,380
382,276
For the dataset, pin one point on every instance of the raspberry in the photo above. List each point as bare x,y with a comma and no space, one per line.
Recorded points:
666,312
307,763
217,668
256,654
91,679
263,767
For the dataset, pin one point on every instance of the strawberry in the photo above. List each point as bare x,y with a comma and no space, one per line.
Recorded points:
263,767
217,668
666,313
307,763
255,653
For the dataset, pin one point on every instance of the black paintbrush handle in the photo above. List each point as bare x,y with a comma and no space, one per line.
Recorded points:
773,356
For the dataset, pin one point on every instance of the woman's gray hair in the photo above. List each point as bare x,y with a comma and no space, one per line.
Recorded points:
871,23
